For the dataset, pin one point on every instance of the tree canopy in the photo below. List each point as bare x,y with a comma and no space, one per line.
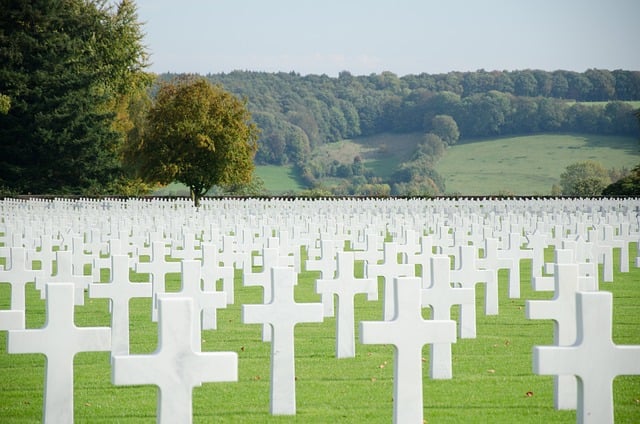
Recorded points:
587,178
66,66
198,134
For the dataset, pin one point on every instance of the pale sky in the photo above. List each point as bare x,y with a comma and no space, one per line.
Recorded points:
401,36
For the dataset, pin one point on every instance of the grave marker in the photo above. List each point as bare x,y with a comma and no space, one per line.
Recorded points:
389,269
59,340
157,267
119,290
175,367
594,359
18,275
562,310
345,286
468,275
440,296
65,274
203,300
408,332
282,314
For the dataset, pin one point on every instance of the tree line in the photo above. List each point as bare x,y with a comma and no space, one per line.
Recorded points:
297,113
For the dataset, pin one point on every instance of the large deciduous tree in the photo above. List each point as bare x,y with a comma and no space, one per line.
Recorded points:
587,178
198,134
65,65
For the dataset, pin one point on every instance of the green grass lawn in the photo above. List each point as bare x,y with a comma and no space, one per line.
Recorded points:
381,153
279,179
528,165
492,374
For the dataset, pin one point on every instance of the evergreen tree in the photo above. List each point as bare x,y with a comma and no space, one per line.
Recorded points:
65,64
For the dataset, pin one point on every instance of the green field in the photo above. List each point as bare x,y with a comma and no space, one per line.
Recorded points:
492,374
528,165
279,179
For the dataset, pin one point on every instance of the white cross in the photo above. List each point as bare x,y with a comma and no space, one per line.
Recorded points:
494,261
282,313
18,275
389,269
211,272
562,310
270,258
468,275
594,359
59,340
65,274
174,367
202,300
441,297
408,332
120,290
158,267
345,286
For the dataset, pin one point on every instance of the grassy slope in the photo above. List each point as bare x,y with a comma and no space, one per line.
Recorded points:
523,165
492,377
279,179
528,164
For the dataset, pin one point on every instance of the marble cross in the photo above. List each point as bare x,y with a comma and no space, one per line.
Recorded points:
119,290
562,310
59,340
440,296
594,359
408,332
345,286
282,313
175,367
158,267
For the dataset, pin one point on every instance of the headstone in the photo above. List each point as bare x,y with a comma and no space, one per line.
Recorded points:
18,275
158,267
203,300
389,269
270,259
59,340
65,274
119,290
327,265
345,286
211,272
594,359
423,258
408,332
282,313
562,310
175,367
100,263
469,274
440,296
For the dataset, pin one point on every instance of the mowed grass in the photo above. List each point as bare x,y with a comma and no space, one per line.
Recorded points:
381,153
492,374
528,165
279,179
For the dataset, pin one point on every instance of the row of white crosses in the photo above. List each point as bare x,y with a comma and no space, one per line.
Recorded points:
415,247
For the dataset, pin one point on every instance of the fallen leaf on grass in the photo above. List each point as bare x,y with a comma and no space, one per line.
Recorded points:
491,371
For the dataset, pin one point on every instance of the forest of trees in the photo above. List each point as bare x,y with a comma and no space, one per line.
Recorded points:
297,113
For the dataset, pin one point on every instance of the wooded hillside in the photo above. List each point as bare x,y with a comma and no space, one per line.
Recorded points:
297,113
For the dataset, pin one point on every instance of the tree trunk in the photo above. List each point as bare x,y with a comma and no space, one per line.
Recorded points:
195,197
